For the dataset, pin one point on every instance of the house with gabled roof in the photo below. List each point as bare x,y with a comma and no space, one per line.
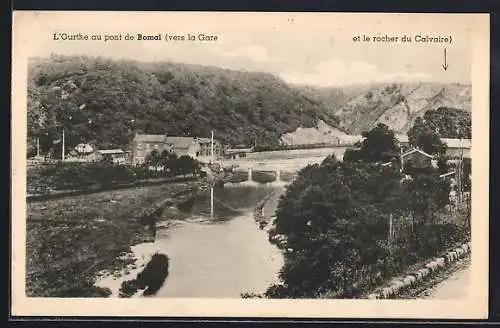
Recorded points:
183,146
143,144
206,148
417,158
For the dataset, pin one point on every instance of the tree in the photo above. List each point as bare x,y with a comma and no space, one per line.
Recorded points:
351,155
442,164
107,160
379,145
153,159
169,161
427,193
187,165
466,174
450,122
424,135
334,216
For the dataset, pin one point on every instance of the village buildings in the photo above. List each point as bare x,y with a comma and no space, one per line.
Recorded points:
198,148
143,144
85,153
455,147
115,156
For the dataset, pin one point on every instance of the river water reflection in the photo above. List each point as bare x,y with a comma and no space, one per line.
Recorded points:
222,256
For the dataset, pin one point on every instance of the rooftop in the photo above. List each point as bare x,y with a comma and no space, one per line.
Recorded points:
149,138
111,151
402,137
205,140
457,143
447,174
414,150
180,142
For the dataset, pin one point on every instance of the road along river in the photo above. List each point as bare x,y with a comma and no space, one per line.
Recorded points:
456,286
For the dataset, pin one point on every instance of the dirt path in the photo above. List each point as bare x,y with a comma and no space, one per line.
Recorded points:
455,287
451,283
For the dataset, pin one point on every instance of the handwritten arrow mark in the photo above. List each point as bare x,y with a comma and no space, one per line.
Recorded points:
445,65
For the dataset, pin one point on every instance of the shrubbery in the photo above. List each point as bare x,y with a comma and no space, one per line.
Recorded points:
263,177
336,221
76,176
80,176
151,279
239,176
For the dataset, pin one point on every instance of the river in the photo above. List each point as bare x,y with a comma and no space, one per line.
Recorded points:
220,256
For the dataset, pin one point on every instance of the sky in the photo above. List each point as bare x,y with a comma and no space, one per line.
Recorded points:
315,49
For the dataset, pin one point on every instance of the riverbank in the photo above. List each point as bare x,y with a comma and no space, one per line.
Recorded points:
411,283
141,255
70,240
96,189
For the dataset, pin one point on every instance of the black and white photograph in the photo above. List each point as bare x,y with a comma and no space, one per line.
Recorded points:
251,157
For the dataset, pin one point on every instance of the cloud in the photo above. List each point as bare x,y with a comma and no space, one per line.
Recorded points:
336,72
256,53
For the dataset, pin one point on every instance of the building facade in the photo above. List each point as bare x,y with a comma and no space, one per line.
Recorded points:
182,146
458,147
417,158
198,148
116,156
144,144
455,147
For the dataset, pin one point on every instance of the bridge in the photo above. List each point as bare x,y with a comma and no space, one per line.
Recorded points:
291,161
281,162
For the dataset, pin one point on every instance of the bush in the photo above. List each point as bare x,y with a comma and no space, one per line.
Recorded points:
263,177
128,288
239,177
79,176
335,217
154,274
86,289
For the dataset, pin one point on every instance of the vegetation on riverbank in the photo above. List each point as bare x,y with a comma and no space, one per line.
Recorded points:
348,226
70,176
69,240
151,279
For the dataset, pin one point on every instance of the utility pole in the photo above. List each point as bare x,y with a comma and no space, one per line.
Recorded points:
401,158
460,169
390,229
37,147
62,155
211,202
212,147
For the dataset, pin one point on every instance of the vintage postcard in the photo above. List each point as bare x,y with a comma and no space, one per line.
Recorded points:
209,164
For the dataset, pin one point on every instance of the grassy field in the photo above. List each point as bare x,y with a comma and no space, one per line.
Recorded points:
70,239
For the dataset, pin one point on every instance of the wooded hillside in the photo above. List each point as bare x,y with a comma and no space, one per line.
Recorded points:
101,101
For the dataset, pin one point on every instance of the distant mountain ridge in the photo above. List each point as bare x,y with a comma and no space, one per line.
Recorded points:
398,105
360,107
